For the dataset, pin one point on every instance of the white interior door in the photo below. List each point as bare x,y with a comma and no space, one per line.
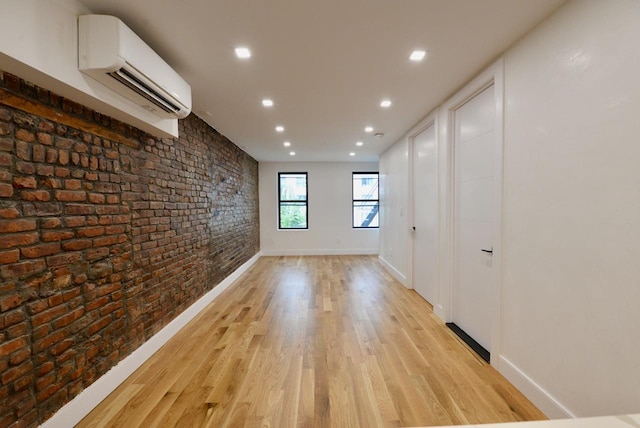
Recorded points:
425,205
474,151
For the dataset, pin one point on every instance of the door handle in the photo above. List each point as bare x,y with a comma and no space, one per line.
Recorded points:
487,251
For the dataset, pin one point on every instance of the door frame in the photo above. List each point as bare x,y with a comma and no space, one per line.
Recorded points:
430,120
492,75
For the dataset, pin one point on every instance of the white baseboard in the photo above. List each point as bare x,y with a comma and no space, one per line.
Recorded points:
548,404
322,252
73,412
440,312
393,271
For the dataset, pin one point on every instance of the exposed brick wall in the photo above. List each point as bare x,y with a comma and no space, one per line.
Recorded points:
102,244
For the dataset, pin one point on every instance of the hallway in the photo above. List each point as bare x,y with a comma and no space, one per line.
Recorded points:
314,341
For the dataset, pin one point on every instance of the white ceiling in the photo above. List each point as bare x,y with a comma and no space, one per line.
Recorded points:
325,63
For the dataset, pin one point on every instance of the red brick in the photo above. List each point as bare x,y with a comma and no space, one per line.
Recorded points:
44,381
105,220
9,213
56,235
12,226
25,183
19,357
105,241
68,318
63,157
41,250
14,373
16,330
22,269
98,325
6,144
113,199
44,343
35,195
50,223
10,302
62,172
6,190
59,348
5,129
62,281
48,392
7,348
90,232
112,230
53,183
23,150
14,317
64,259
96,198
45,368
80,209
76,244
45,139
9,256
37,306
20,384
45,170
24,135
70,195
97,253
23,167
52,156
72,184
75,221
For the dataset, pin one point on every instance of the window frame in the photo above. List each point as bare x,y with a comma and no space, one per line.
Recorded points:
353,200
306,200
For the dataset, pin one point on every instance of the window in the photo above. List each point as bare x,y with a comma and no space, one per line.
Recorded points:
365,200
292,200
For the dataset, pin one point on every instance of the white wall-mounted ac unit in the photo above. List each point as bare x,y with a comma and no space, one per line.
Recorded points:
114,55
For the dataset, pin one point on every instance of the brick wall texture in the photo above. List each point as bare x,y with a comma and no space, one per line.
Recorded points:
102,244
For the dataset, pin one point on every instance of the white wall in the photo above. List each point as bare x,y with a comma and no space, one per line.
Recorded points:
571,278
330,202
570,273
394,206
39,42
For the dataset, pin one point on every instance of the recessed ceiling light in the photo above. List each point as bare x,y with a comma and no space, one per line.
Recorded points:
292,153
417,55
385,103
243,52
267,102
359,143
368,129
279,128
352,154
286,144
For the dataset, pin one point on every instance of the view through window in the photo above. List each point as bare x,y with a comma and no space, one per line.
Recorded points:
292,200
365,200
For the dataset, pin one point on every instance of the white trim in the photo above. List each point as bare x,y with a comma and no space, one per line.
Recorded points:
323,252
494,75
431,120
393,271
546,402
75,410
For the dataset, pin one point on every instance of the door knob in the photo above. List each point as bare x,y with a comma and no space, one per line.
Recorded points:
487,251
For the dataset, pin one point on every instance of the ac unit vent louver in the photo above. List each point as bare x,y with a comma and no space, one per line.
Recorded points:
115,56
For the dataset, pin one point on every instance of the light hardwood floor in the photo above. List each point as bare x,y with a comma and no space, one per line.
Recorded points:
327,341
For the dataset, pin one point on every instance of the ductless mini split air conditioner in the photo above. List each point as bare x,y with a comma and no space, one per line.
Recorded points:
115,56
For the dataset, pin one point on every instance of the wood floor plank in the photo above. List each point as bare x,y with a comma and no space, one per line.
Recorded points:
317,341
